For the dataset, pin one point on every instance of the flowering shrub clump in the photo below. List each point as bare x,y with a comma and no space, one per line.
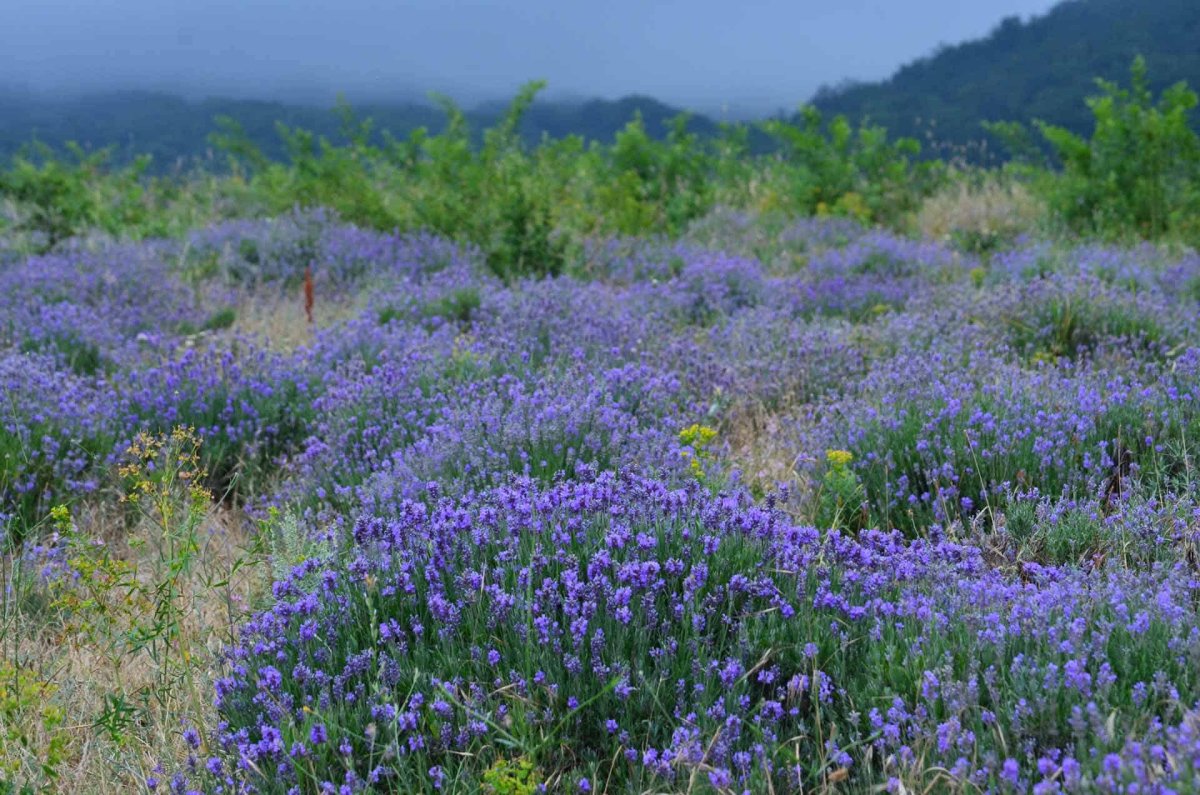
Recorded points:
277,251
620,629
941,435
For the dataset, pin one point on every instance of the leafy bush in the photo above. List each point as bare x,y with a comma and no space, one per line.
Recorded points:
833,168
55,192
66,196
490,195
1137,175
653,186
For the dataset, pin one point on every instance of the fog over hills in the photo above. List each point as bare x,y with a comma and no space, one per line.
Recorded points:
757,57
148,77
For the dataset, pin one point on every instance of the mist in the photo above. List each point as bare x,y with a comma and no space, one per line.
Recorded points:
736,60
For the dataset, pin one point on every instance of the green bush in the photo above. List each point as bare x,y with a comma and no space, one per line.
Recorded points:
63,195
830,167
1137,175
655,186
458,306
56,193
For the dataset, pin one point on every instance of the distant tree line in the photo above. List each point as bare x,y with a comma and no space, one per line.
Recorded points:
174,132
1026,71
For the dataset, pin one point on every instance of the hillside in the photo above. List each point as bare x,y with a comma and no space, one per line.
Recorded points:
1025,70
173,129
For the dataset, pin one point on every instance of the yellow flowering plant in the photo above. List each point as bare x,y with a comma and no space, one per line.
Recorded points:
841,500
695,440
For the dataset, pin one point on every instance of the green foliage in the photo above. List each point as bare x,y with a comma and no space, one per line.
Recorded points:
837,169
175,131
221,319
55,192
456,307
319,174
532,208
1139,173
841,502
529,208
28,715
655,186
62,195
511,777
492,195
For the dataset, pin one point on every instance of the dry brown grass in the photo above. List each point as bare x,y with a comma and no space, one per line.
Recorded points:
987,208
767,457
278,320
76,648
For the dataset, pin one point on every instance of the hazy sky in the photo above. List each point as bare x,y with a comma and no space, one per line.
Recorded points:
704,54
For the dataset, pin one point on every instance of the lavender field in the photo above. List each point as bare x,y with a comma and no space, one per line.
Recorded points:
753,510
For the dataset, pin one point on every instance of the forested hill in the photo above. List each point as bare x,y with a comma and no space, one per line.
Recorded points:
173,129
1040,69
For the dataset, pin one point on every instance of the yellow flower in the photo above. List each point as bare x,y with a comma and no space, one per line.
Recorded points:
697,435
838,458
60,515
695,438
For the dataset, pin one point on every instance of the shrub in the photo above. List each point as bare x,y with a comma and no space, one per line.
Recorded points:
56,193
833,168
1137,175
66,196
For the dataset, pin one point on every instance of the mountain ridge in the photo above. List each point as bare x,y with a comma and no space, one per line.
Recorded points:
1043,68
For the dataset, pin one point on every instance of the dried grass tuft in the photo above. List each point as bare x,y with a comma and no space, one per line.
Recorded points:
981,212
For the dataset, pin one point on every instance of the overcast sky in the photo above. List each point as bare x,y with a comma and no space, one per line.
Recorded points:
757,54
